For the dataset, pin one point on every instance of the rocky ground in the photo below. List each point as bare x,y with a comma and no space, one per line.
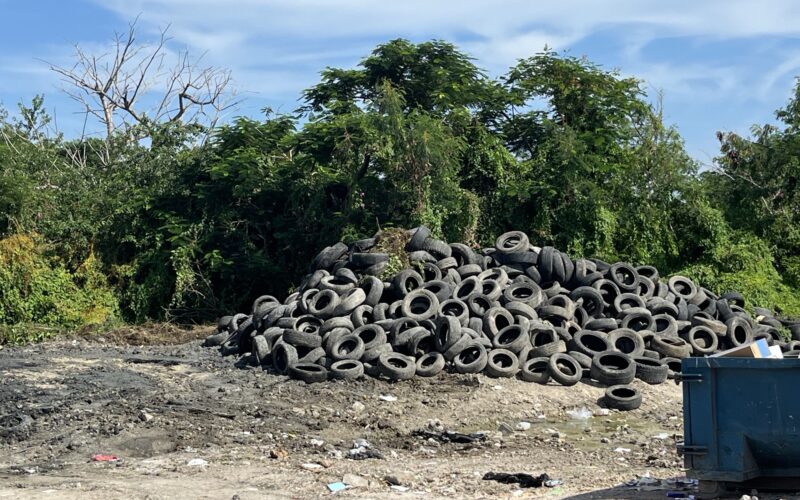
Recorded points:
184,422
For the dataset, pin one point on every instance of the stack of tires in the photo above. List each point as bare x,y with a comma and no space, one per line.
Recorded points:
513,310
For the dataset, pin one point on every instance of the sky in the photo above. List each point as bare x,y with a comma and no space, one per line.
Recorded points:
716,65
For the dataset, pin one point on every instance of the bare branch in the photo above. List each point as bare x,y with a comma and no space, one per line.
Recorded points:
110,86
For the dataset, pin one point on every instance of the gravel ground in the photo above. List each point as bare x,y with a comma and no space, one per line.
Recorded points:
187,423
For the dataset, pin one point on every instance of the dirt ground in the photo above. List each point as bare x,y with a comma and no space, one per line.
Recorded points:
185,422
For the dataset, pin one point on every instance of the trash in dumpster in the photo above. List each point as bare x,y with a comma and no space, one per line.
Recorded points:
757,349
775,352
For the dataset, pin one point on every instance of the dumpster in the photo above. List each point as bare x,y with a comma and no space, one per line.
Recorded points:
741,419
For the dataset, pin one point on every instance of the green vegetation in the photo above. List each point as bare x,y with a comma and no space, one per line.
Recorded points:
194,221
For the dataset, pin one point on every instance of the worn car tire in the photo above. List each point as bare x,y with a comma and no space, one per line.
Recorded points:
420,305
471,359
613,368
346,369
589,342
308,372
536,370
430,364
671,347
650,371
513,338
283,357
622,397
565,369
396,366
512,242
501,363
348,346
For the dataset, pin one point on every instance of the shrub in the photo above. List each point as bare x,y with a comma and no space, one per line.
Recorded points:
39,296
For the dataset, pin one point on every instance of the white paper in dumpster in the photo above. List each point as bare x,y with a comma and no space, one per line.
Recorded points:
775,352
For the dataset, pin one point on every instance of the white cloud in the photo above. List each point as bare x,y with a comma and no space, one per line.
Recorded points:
277,48
254,37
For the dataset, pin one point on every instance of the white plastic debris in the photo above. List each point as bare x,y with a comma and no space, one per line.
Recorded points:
582,413
387,397
197,462
523,426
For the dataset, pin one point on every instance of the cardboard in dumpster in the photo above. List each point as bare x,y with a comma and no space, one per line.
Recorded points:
757,349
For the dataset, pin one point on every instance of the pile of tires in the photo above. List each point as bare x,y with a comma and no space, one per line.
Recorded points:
514,310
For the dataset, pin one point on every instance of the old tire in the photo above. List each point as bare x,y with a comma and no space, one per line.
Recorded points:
471,359
348,346
651,371
613,368
564,369
430,364
346,369
501,363
308,372
622,397
397,366
536,370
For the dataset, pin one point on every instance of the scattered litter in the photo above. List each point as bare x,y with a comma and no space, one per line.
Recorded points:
645,480
311,466
99,457
505,428
602,412
337,486
362,450
144,416
661,436
622,450
197,462
397,487
523,426
450,436
552,483
647,483
363,454
580,413
387,397
316,442
524,480
358,407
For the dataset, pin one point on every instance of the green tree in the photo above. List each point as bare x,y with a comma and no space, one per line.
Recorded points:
757,183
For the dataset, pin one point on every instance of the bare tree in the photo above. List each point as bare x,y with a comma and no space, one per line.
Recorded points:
112,86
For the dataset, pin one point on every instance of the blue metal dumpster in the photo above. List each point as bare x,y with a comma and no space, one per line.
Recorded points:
741,420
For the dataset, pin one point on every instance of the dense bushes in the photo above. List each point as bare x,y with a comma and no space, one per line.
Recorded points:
193,222
35,288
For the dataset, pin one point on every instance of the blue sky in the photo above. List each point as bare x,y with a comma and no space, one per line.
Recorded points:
719,65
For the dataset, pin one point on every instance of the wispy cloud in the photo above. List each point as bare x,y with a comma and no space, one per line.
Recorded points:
276,48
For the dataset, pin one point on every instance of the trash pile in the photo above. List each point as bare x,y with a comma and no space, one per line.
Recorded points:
514,310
